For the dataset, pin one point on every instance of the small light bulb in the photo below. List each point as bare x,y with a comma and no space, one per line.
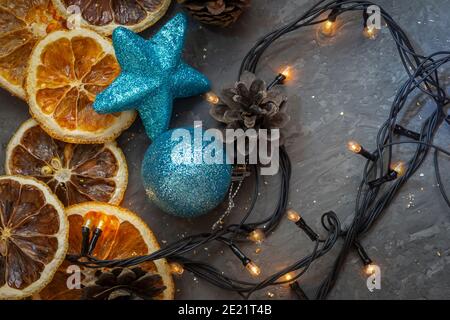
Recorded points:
328,28
176,268
256,236
328,25
288,277
90,219
370,269
370,32
102,222
212,98
293,215
287,73
399,167
354,146
253,269
100,225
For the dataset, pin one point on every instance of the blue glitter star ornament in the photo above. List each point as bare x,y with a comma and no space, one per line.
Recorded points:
153,75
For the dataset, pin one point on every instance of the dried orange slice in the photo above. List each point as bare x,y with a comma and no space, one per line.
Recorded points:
124,236
75,173
105,15
22,24
33,236
67,70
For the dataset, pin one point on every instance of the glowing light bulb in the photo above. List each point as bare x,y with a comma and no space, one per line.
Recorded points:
102,222
293,215
212,98
287,73
399,167
176,268
328,25
288,277
90,219
370,269
328,28
370,32
354,146
257,235
100,225
253,269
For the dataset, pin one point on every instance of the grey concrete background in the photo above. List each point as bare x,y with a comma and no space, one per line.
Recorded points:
342,90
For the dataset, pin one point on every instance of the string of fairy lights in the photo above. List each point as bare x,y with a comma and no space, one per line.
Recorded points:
385,172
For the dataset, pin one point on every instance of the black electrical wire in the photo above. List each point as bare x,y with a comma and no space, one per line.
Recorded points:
423,76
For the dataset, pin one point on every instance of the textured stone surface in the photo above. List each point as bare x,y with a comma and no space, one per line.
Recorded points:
343,89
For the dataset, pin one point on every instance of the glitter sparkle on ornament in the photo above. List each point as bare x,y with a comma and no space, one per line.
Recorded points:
152,75
177,178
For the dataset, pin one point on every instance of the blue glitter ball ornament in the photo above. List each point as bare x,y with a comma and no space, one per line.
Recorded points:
180,179
153,74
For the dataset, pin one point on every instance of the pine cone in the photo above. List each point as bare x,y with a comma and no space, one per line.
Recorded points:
124,284
220,13
250,105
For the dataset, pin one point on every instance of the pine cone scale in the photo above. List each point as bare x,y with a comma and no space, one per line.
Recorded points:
216,7
124,284
220,13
